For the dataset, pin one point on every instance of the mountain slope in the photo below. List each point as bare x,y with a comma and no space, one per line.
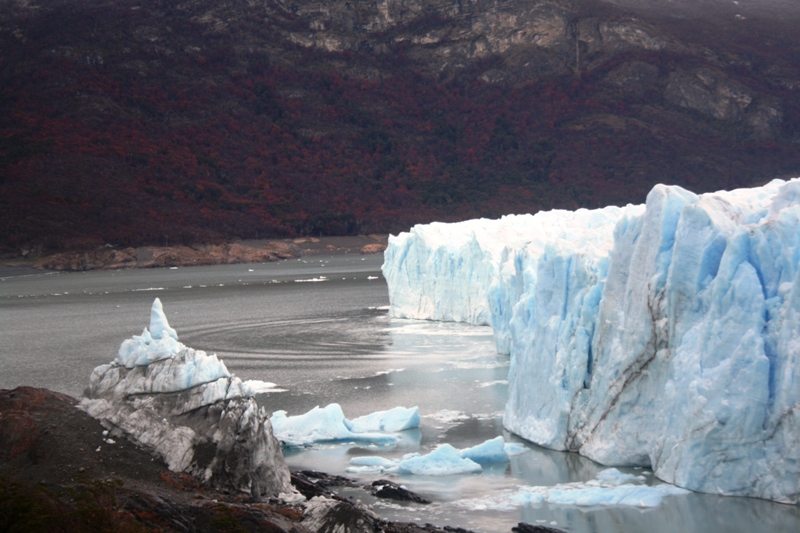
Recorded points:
139,122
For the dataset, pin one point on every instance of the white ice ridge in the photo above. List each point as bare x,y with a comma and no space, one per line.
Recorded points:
328,424
665,335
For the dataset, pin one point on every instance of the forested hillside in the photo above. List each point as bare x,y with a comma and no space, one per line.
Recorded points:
131,122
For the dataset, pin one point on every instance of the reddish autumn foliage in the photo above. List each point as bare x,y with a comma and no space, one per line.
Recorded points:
188,136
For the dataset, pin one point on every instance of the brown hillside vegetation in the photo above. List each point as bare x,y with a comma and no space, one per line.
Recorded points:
145,122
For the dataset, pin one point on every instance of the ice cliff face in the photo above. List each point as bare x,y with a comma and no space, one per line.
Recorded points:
664,335
187,407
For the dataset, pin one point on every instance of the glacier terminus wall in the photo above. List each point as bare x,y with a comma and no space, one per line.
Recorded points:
665,335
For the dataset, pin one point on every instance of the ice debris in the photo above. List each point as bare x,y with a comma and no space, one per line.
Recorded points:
445,460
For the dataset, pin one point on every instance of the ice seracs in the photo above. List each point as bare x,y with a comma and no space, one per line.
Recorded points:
663,335
185,406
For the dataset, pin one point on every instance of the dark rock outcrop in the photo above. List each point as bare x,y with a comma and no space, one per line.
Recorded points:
530,528
383,488
311,483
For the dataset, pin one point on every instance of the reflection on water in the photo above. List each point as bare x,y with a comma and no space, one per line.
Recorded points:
332,341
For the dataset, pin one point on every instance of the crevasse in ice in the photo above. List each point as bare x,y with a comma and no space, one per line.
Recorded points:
665,335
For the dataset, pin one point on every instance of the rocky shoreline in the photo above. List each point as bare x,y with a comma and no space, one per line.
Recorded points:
113,258
61,471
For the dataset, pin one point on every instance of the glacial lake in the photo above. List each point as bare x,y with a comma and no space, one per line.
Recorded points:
318,327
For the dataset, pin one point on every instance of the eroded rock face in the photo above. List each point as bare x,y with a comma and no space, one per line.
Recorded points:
473,30
544,25
633,76
710,93
765,120
716,96
630,34
185,406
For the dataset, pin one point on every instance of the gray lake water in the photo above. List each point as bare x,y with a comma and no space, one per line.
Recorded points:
318,327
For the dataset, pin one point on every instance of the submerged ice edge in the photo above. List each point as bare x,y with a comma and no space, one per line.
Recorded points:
610,488
661,335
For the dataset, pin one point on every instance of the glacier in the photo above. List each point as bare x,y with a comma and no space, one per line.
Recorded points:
663,335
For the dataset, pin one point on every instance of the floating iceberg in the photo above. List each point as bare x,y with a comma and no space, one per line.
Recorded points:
665,335
185,406
443,461
494,450
393,420
328,424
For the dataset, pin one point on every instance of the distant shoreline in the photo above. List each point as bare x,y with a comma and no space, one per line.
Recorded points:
248,251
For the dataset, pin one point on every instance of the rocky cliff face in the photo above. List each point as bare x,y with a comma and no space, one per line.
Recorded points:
534,39
448,33
186,407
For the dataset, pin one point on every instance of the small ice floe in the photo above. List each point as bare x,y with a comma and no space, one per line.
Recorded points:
443,461
492,383
260,387
328,424
387,372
